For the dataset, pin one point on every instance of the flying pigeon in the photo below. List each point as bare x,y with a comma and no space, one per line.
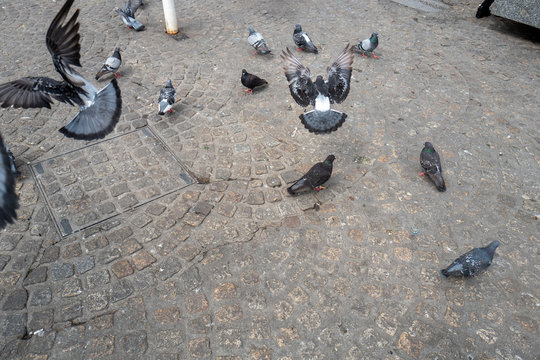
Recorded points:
9,201
320,93
111,64
128,14
99,109
251,81
472,262
431,163
368,45
167,97
256,40
302,40
314,178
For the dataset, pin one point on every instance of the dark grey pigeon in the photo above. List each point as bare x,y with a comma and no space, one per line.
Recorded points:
472,262
302,40
251,81
128,14
112,64
167,98
9,201
431,163
320,93
314,178
256,40
368,45
99,109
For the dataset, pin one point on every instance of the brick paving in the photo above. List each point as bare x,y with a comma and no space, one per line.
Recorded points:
174,238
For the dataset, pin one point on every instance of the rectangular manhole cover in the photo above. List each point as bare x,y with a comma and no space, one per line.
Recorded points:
102,180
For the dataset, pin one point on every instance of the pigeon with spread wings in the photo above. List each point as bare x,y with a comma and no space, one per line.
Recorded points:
99,109
321,93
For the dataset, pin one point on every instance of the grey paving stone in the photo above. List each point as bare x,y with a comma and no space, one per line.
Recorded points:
14,325
16,300
61,271
85,264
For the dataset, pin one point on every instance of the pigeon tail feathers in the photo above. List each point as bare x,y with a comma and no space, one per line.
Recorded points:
99,119
438,180
321,122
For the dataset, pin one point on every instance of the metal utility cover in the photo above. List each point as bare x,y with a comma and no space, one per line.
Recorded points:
102,180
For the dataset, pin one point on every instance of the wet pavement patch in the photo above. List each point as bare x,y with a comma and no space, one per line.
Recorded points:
104,179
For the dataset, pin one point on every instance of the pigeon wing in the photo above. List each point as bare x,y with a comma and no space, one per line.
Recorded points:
319,174
35,92
63,44
302,88
9,201
430,162
339,75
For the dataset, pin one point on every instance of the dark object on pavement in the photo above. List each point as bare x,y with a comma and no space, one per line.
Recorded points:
472,262
431,163
314,178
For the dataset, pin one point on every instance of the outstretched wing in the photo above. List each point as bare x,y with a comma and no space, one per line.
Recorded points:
302,88
35,92
63,43
134,5
339,75
9,201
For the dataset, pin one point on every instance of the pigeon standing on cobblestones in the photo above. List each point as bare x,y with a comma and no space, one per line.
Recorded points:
167,97
320,93
112,64
256,40
99,109
302,40
431,163
9,202
128,14
314,178
368,45
251,81
472,262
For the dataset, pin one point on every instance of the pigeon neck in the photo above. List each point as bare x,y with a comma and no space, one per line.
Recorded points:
428,150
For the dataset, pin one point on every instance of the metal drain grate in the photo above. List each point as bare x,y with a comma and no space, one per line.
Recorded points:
97,182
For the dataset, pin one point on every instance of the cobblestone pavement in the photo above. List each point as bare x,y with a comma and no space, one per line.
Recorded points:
174,237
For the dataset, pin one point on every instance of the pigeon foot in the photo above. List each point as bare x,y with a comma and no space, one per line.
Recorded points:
170,111
299,49
375,56
364,55
421,173
319,188
116,75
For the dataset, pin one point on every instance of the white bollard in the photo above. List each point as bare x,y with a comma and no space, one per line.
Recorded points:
170,17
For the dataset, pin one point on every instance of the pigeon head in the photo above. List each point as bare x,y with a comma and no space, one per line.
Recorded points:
492,247
169,83
428,145
374,36
244,72
117,49
330,159
297,28
251,30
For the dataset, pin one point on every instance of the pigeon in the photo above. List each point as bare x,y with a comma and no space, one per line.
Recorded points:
256,40
251,81
483,9
302,40
431,163
9,201
128,14
320,93
472,262
167,97
368,45
99,109
111,64
314,178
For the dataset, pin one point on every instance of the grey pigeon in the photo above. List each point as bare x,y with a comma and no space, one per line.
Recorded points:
431,163
167,98
368,45
9,201
320,93
251,81
112,64
128,14
302,40
99,109
314,178
256,40
472,262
